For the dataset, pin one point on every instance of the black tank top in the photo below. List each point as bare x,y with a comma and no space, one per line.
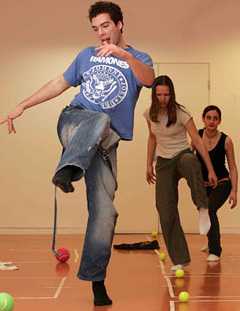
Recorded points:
217,156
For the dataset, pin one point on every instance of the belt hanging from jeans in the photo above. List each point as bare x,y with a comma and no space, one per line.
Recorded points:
54,223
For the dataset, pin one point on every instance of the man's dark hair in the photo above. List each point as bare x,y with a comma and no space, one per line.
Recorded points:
111,8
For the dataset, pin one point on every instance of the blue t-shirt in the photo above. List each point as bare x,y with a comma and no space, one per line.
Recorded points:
107,85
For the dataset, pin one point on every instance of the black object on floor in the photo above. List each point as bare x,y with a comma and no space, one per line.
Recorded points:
140,245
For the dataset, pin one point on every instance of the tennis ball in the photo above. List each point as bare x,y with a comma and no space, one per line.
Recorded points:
183,296
162,256
6,302
179,273
154,234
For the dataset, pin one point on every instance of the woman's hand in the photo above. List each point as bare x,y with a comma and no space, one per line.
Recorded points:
232,199
150,175
212,179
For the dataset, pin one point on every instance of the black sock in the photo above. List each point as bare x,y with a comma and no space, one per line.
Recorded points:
63,178
100,294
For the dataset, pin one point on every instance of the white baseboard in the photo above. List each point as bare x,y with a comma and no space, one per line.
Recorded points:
234,230
39,230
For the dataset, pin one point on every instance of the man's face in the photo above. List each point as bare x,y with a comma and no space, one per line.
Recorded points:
106,30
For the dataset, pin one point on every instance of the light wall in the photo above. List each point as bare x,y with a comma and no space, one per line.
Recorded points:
40,39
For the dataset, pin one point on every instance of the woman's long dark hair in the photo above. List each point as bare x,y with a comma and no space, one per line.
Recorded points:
172,105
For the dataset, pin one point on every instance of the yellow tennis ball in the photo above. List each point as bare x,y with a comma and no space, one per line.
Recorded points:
154,234
179,273
162,256
183,296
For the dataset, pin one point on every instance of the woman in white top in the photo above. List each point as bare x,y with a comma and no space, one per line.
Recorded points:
168,124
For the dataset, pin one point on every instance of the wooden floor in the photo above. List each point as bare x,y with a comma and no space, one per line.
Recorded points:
137,280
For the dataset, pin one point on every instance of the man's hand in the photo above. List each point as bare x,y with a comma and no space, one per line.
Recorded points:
108,49
9,120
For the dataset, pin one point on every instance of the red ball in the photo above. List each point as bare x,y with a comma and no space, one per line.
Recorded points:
62,254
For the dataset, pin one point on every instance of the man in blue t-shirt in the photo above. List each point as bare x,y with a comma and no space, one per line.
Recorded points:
102,113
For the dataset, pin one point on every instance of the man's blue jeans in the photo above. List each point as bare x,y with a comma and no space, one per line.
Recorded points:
89,144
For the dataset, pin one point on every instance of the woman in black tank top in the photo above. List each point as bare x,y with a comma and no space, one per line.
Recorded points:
220,148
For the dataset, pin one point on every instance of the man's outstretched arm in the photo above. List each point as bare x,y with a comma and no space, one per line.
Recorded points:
51,89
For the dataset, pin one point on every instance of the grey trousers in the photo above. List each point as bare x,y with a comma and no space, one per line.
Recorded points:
169,172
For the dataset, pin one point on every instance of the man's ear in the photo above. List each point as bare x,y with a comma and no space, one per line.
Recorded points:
120,25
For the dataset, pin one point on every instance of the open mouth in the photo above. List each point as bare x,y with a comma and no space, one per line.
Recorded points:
106,41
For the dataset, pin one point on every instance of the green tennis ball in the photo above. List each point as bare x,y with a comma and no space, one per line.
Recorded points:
6,302
183,296
179,273
162,256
